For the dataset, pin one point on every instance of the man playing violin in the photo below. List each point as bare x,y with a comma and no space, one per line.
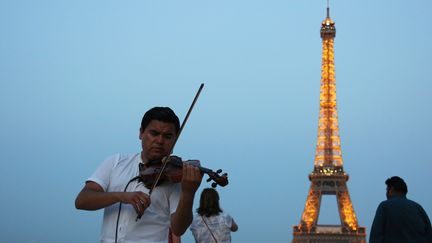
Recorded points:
167,206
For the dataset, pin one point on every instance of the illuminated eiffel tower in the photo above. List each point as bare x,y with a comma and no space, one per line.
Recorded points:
328,176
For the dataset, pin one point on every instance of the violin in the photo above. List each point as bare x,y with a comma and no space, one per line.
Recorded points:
173,172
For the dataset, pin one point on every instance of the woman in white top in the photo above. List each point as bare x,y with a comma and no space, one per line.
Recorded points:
210,224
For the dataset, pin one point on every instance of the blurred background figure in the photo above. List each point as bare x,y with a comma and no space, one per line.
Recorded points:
398,219
210,224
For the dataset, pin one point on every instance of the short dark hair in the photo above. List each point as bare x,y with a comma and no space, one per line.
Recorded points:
397,183
209,203
163,114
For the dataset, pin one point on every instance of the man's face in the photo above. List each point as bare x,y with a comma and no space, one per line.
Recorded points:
389,192
157,139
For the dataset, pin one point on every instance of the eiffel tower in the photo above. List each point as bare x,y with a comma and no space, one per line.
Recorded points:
328,176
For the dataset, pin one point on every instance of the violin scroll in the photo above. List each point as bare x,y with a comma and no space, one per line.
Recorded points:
221,180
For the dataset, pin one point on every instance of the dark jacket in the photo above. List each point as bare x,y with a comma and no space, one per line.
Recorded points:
399,219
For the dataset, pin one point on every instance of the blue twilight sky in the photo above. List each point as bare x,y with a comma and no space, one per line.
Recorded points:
77,76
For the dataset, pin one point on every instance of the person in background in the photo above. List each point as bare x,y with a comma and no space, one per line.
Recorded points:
210,224
398,219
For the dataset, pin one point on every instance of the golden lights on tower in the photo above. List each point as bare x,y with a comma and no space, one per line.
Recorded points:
328,176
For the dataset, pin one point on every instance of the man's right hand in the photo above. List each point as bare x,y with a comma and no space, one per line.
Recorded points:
139,200
93,197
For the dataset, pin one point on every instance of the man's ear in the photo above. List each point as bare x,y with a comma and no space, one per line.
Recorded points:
140,133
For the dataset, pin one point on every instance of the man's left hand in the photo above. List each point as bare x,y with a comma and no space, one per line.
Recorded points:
191,178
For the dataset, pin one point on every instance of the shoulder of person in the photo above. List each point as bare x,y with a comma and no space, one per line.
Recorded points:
227,216
196,221
418,205
383,204
120,158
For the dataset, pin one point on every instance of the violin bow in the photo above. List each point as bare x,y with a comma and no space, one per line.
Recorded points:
165,159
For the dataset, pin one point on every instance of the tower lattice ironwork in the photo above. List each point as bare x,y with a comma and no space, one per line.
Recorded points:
328,176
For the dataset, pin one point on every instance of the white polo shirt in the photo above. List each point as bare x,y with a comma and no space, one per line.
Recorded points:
153,227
